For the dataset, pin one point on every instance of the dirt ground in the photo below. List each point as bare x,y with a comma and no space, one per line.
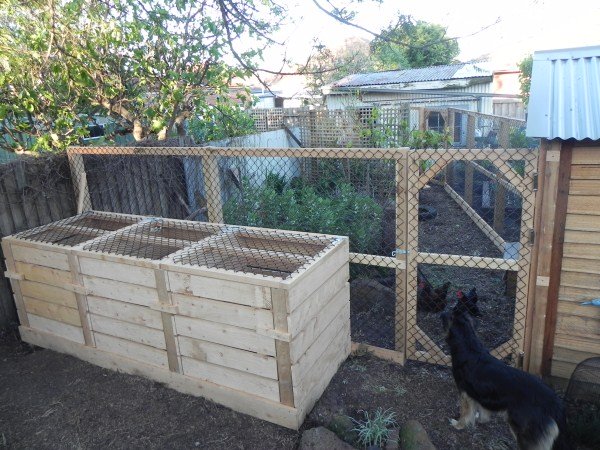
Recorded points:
50,400
450,232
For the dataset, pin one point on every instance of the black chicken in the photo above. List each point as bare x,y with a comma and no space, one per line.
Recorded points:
469,301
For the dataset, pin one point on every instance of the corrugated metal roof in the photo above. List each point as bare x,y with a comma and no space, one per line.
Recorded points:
564,99
434,73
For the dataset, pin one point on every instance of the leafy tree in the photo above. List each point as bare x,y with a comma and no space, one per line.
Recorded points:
413,43
525,66
149,64
329,65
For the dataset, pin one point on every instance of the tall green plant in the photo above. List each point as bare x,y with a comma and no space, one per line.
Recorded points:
298,206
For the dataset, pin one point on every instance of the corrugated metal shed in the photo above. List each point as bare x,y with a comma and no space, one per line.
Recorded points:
564,98
434,73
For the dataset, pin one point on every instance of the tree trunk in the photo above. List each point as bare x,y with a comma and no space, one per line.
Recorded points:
138,130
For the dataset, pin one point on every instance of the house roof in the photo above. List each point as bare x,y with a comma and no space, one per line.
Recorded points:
394,77
564,100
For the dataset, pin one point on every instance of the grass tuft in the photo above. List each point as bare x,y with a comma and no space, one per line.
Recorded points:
374,429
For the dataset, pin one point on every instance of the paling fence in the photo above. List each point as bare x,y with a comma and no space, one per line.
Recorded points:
425,226
33,192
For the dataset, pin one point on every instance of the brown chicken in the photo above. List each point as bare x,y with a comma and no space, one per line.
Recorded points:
431,299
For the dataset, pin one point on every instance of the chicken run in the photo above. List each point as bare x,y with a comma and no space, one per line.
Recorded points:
488,294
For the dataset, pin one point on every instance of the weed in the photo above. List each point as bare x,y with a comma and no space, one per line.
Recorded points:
374,430
379,389
357,366
399,391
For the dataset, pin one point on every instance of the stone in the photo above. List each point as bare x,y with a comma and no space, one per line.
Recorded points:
414,437
343,427
320,438
392,440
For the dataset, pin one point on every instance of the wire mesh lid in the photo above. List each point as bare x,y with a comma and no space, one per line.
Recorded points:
265,252
78,229
154,238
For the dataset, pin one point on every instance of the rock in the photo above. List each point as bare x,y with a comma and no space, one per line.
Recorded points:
392,440
320,438
414,437
343,426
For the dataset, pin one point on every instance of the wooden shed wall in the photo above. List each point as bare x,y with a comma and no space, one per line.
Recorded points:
578,326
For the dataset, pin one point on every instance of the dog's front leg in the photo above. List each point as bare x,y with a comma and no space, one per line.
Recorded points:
468,412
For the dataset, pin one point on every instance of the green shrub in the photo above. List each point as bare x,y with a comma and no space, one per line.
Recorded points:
298,206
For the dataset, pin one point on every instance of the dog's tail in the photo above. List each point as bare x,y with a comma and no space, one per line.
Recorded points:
562,442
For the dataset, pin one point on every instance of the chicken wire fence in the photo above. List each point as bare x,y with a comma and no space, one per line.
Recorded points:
425,226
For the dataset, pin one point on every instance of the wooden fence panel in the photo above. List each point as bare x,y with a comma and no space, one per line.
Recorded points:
33,192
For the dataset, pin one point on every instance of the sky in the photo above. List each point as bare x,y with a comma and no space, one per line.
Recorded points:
507,30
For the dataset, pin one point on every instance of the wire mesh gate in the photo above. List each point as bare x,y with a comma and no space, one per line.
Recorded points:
423,224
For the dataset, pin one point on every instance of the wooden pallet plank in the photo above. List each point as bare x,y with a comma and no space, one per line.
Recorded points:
129,331
282,348
234,379
46,258
52,311
223,312
317,274
54,327
222,355
582,222
126,312
338,308
48,293
231,336
218,289
319,375
586,156
309,309
119,272
118,290
41,274
130,349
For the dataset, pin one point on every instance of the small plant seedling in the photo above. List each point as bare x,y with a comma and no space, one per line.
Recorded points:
374,429
399,391
357,366
379,389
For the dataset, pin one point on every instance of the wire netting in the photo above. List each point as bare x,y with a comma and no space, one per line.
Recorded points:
427,228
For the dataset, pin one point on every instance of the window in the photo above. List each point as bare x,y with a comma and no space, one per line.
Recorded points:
435,122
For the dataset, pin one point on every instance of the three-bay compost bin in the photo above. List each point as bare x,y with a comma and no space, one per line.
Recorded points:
255,319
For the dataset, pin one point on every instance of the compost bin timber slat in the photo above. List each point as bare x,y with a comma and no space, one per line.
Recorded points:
262,345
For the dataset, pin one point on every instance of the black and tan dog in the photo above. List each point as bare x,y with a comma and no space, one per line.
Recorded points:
487,385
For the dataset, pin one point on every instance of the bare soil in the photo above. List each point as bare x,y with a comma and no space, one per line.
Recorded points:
51,400
451,232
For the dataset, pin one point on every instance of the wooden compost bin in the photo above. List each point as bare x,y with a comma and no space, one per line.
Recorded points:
255,319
